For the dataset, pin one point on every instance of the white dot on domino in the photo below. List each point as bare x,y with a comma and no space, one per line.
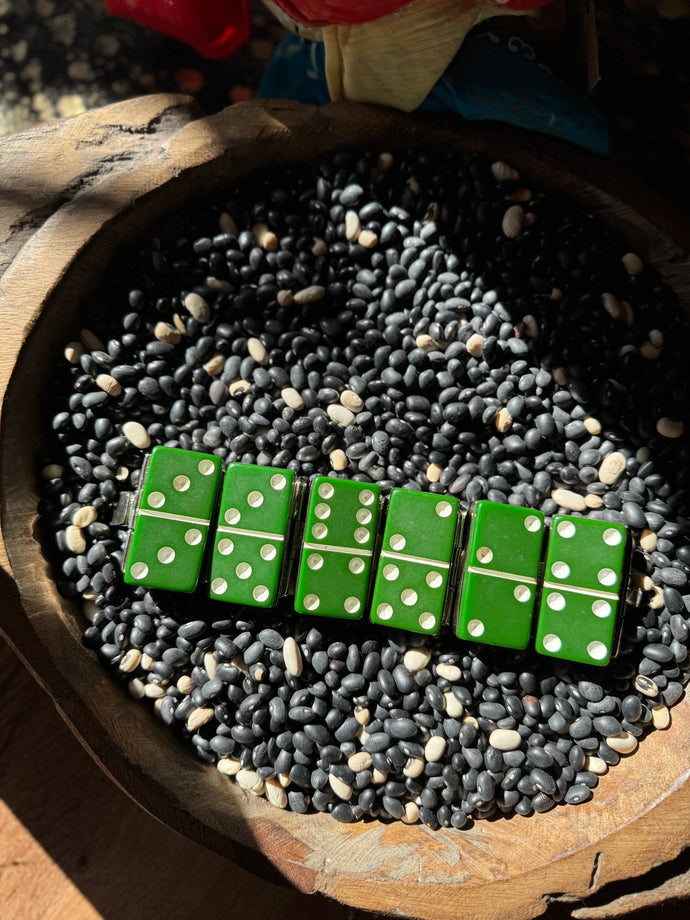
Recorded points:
156,499
181,483
278,481
322,511
166,555
612,537
193,537
225,547
206,467
255,499
560,570
597,650
601,609
356,565
522,593
232,516
326,490
390,572
552,643
566,529
243,570
607,577
434,579
475,628
139,570
555,600
484,555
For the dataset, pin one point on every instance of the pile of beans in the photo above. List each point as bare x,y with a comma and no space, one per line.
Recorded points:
420,320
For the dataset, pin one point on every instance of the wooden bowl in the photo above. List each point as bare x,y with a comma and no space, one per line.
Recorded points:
91,184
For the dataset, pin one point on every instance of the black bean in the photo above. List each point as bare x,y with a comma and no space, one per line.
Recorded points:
301,714
631,708
353,683
658,652
404,680
672,692
591,691
253,652
606,725
348,729
634,516
670,575
401,728
605,706
378,741
577,794
342,812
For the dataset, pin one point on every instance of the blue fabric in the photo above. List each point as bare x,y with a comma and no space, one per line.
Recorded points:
296,71
495,75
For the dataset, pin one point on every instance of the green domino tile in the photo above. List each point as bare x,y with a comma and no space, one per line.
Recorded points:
499,586
336,554
256,498
245,569
409,595
586,553
414,564
166,554
176,502
181,482
424,522
576,627
333,584
583,584
249,544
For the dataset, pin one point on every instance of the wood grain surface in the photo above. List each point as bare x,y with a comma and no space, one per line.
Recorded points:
99,180
74,847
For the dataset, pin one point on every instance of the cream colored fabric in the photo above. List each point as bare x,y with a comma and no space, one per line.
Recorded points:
396,60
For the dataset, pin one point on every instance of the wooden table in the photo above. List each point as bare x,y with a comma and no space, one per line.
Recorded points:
72,845
75,847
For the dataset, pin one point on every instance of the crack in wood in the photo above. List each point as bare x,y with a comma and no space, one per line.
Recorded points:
31,196
562,897
596,869
30,220
167,121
